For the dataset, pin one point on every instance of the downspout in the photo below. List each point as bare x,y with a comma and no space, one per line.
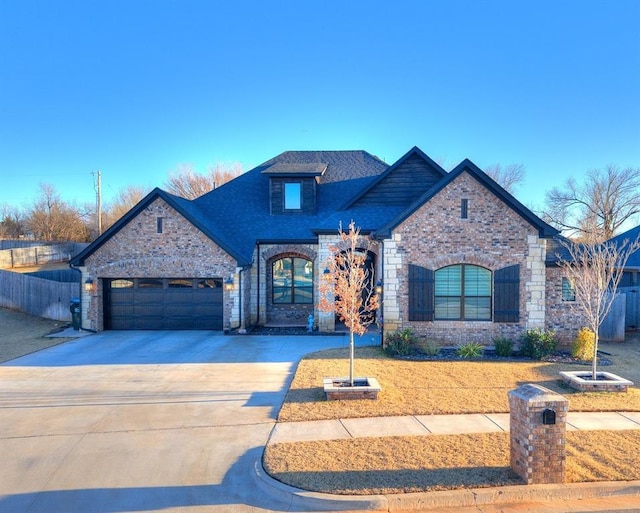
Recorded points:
258,288
241,328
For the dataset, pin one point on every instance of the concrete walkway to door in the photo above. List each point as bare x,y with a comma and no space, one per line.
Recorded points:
144,421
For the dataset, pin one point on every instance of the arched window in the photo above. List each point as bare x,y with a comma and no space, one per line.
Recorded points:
292,279
463,292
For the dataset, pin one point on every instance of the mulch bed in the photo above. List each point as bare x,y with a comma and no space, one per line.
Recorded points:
449,354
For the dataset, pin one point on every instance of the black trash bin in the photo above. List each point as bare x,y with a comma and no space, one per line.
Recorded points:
75,313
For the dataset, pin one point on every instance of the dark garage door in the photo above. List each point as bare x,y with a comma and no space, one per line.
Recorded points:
163,304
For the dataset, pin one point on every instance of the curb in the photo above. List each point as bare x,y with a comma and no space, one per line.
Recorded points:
296,497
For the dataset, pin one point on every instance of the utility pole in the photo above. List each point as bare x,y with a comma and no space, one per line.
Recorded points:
98,188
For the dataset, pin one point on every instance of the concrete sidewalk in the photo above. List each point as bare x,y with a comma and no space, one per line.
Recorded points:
423,425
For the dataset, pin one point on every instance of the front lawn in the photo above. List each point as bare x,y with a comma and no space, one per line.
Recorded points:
430,463
427,463
445,387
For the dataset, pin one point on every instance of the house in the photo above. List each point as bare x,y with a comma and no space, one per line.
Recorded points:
630,281
458,258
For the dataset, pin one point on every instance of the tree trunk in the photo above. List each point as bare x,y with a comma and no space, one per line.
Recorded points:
351,357
594,364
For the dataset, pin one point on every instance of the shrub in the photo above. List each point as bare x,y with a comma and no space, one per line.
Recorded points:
428,347
582,346
503,345
401,342
470,350
538,343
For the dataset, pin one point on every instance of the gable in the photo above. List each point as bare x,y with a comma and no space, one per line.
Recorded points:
187,210
463,215
488,187
404,182
159,240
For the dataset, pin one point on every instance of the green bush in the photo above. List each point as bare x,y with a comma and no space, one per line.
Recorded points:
583,345
503,345
470,350
428,347
538,343
401,343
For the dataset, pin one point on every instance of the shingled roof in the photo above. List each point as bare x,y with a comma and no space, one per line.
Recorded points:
351,185
630,236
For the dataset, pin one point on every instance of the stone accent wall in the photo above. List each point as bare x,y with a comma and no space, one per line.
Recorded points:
536,286
138,251
563,317
326,321
391,300
493,236
537,450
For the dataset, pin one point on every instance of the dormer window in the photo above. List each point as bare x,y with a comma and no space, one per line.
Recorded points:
292,196
292,187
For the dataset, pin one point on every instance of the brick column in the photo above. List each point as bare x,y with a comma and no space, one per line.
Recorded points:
538,434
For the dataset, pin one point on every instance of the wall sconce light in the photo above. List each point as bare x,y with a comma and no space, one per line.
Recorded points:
228,284
326,271
89,285
379,287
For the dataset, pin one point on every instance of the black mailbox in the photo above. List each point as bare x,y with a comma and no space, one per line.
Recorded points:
548,416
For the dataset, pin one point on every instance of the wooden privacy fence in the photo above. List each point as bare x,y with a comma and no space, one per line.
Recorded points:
632,317
37,296
38,255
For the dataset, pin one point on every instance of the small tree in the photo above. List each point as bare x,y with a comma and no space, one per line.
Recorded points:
595,270
347,289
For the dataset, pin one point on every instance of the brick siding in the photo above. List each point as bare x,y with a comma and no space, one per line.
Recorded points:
493,236
139,251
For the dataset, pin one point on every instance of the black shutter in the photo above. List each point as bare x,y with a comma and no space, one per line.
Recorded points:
420,293
506,294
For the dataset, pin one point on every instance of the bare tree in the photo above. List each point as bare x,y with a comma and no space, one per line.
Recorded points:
186,182
125,200
12,223
509,177
598,206
347,289
594,270
50,218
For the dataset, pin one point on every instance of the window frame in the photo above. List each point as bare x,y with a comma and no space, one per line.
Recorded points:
292,287
460,301
568,290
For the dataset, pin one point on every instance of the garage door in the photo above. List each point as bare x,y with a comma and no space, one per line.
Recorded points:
163,304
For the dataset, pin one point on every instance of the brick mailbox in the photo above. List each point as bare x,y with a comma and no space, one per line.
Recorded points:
538,425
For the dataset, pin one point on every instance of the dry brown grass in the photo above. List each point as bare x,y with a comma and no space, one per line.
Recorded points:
24,334
429,463
446,387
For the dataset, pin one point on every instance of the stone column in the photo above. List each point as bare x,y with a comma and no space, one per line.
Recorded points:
538,434
392,265
535,286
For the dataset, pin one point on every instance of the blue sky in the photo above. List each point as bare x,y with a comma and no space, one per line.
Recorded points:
136,88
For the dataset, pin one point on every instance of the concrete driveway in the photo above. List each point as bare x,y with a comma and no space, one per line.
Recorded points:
143,421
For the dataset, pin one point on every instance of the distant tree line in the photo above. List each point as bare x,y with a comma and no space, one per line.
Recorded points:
50,218
595,207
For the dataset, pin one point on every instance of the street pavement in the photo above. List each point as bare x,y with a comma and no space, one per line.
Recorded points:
176,422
